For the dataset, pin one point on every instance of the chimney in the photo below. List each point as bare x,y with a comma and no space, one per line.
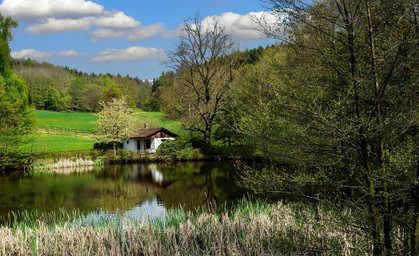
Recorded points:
145,126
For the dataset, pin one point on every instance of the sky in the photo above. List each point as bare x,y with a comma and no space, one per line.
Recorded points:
127,37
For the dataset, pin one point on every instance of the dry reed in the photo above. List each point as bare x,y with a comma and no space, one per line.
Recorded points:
277,229
66,166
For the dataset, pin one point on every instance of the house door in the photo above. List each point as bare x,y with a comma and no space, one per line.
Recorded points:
139,145
147,144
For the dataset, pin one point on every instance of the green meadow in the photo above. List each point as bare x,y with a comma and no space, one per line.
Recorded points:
79,129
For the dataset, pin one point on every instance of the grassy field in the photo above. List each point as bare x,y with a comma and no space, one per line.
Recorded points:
54,122
50,143
68,120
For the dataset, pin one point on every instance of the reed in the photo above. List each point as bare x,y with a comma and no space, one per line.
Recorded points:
255,228
67,166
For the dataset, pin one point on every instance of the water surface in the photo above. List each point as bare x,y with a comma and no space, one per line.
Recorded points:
137,190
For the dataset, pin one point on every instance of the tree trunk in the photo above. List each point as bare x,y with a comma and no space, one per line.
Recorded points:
114,148
380,148
415,234
374,213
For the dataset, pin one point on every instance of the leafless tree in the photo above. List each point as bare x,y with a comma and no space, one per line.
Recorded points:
204,63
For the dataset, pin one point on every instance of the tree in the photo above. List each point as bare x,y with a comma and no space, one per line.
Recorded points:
91,97
347,93
204,63
115,122
15,116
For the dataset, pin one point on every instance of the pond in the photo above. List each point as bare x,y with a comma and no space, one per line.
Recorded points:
137,190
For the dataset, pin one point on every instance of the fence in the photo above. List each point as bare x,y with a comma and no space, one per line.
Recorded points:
66,131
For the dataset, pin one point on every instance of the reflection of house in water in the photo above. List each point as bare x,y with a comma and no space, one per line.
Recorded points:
148,175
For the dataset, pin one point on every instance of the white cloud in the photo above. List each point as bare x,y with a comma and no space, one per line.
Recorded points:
116,20
106,33
71,53
136,34
57,16
132,54
51,26
240,27
31,53
147,32
34,9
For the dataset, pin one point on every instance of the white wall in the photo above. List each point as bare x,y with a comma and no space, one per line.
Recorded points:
130,145
155,143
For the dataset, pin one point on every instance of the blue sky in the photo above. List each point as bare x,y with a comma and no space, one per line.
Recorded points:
121,37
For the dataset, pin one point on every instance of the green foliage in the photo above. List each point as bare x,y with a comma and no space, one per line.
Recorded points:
15,118
115,122
180,149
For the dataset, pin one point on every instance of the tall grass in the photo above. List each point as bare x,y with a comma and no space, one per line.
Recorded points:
250,229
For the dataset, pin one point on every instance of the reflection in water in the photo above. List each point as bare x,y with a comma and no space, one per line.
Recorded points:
137,190
150,209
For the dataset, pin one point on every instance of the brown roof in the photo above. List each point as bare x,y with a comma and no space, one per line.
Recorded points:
146,133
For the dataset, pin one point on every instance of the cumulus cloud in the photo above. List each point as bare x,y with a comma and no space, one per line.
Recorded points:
241,26
51,26
132,54
71,53
147,32
106,33
56,16
31,53
116,20
32,10
137,34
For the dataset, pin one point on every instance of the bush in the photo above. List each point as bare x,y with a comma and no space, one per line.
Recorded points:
179,149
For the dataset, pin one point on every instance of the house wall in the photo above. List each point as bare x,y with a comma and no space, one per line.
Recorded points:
130,145
155,143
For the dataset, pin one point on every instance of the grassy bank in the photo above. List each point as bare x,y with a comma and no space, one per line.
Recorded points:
251,229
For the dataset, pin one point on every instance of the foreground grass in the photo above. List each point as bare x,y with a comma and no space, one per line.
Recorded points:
251,229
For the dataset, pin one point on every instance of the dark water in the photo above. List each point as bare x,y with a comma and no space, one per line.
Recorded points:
143,189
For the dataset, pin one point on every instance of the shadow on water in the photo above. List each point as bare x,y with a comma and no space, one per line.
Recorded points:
136,190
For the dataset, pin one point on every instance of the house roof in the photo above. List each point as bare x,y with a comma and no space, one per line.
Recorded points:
147,133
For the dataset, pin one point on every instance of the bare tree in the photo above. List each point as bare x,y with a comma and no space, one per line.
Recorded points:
204,64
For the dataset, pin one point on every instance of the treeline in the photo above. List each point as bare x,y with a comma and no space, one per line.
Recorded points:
61,88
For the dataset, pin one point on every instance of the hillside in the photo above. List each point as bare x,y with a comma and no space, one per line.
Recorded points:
61,88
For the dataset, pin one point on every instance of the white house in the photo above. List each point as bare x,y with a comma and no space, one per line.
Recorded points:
148,140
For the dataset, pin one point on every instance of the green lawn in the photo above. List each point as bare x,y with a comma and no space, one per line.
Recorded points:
157,119
68,120
50,143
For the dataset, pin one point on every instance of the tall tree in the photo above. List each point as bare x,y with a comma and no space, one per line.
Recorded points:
204,64
347,93
15,117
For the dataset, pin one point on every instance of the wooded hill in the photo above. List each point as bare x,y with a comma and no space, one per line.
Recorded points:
61,88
